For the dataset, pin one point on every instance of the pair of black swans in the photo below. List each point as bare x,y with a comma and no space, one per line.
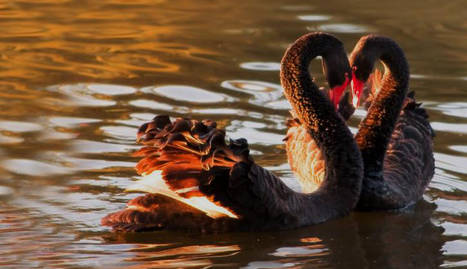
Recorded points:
197,181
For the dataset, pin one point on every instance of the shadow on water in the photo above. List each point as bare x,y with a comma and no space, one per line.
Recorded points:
362,240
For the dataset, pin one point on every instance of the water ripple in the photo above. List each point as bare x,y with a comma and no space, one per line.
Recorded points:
82,95
299,251
19,127
314,17
455,109
86,146
78,78
252,131
450,127
33,167
71,122
342,28
261,92
261,66
452,163
120,132
155,105
456,247
187,94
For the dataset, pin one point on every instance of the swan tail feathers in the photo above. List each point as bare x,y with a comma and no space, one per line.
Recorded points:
184,164
411,106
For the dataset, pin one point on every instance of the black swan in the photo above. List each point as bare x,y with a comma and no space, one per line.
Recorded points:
198,181
395,138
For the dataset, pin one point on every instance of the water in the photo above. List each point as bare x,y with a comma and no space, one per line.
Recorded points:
78,77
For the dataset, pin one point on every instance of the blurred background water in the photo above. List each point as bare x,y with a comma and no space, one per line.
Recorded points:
78,77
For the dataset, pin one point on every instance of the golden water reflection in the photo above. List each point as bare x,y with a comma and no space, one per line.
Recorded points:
78,78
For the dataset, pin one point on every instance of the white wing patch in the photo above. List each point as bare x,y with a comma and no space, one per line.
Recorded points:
154,183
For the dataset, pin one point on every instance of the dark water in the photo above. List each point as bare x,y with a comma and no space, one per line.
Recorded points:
78,77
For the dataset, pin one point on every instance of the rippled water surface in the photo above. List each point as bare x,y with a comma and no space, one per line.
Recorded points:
78,77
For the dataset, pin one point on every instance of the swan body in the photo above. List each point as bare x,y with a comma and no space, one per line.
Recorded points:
194,161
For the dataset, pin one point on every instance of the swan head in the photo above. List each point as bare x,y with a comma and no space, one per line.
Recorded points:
337,71
361,69
362,59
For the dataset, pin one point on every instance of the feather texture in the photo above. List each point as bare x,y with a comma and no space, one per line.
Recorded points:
188,160
177,159
395,138
409,163
303,154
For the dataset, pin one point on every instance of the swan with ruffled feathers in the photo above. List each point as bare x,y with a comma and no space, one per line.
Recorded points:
188,160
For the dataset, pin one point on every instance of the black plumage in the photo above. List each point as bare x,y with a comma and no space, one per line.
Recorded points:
395,138
194,160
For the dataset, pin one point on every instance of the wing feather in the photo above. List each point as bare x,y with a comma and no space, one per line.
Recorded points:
178,160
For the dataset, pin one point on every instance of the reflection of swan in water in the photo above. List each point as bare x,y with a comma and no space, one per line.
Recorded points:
402,240
395,137
363,240
224,183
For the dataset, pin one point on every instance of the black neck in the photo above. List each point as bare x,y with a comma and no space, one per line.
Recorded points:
309,103
341,155
376,129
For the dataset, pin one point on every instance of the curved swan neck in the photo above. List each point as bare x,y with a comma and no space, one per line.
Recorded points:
310,105
341,187
376,129
372,48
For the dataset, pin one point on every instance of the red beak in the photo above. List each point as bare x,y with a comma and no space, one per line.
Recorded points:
336,92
